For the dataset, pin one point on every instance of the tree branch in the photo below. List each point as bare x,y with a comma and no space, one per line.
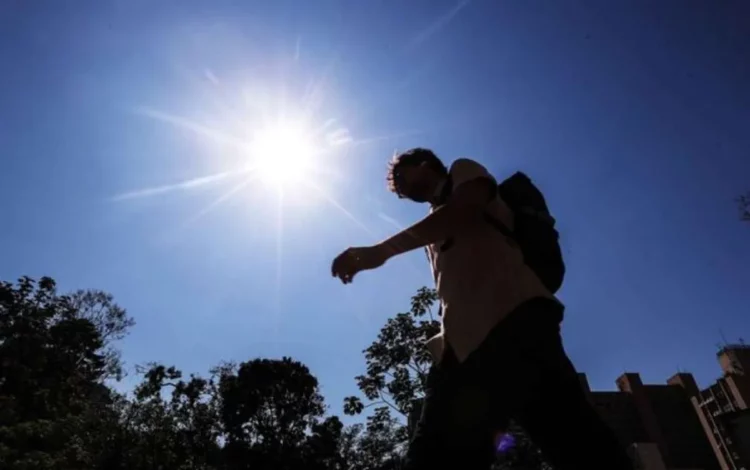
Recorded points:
382,398
415,369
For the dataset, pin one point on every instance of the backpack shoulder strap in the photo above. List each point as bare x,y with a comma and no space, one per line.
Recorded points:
498,225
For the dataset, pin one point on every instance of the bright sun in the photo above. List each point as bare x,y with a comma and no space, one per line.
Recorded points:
285,148
283,153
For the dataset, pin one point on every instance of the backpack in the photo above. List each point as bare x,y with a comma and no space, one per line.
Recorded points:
534,229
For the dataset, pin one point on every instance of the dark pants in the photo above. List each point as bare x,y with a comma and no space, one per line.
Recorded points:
520,372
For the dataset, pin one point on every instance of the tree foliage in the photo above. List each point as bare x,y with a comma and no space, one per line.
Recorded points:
53,364
58,355
268,408
260,414
57,411
398,361
397,366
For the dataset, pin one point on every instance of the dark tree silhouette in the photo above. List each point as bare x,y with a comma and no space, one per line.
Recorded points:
110,320
57,410
268,407
169,423
261,414
54,360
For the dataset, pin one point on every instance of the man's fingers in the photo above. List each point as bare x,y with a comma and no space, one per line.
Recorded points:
345,266
345,278
337,265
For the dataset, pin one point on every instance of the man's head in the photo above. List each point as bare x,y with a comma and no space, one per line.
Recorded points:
415,174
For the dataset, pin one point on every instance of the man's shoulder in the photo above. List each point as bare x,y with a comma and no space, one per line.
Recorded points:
464,163
466,169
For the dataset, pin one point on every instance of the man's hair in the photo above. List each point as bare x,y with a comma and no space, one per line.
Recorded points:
412,157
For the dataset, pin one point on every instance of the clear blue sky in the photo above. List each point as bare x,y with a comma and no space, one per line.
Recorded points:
633,117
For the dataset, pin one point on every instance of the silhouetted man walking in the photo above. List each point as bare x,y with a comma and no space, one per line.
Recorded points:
499,355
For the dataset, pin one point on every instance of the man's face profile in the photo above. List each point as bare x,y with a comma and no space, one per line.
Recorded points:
415,182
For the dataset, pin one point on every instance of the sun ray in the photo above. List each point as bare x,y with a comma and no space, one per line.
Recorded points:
279,260
221,199
338,206
215,96
279,240
370,140
317,88
439,23
390,220
325,126
197,128
338,137
209,74
182,185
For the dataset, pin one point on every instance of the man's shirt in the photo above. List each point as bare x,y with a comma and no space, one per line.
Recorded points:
480,275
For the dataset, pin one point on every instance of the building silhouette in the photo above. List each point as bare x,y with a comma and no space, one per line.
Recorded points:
723,408
656,422
677,425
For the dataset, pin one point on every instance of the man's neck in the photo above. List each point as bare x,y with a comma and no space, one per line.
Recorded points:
438,190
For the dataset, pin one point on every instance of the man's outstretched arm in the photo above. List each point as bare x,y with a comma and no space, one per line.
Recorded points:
473,188
464,209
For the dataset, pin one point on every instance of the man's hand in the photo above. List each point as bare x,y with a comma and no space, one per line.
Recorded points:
353,260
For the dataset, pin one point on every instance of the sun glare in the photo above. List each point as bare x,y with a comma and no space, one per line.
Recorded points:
282,154
289,145
270,145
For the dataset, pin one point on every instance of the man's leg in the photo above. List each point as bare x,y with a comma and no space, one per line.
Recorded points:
454,430
523,363
557,416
